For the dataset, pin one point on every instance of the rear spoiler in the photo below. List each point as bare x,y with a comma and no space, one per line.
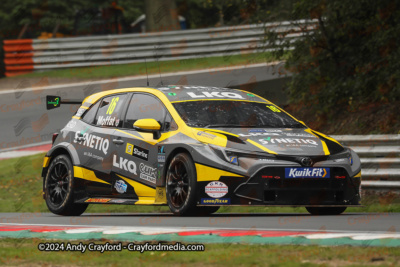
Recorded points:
53,101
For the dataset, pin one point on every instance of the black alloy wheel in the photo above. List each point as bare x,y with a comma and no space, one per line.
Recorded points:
58,188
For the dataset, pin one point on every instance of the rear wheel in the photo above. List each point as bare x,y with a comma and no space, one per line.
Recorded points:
58,188
326,210
181,185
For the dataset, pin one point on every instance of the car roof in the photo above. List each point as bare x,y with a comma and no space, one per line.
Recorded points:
182,93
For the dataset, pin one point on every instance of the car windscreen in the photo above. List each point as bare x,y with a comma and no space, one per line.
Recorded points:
225,113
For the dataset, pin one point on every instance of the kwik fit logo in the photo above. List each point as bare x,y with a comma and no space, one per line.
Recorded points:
307,172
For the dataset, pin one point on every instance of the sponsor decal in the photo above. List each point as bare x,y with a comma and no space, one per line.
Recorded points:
120,186
106,121
338,160
98,200
307,173
160,166
205,88
215,94
270,177
125,164
273,108
215,201
80,112
89,154
71,124
267,160
233,159
216,189
118,201
161,158
270,140
160,194
137,151
258,134
93,141
299,134
161,150
256,131
208,135
148,173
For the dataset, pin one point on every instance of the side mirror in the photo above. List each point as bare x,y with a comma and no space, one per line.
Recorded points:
149,126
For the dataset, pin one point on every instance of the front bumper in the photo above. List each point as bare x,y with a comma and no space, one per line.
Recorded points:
269,187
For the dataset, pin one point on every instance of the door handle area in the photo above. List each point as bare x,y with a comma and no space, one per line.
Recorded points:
80,138
118,141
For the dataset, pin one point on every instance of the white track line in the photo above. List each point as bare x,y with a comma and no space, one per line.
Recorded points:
133,78
178,229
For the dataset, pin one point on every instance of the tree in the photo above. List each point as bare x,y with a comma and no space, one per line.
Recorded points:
161,15
350,58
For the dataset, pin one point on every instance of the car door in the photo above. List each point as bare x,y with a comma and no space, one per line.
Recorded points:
138,159
95,143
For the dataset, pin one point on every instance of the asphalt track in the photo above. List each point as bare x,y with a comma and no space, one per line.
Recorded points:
347,222
25,120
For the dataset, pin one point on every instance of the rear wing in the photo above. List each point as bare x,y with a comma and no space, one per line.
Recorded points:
53,101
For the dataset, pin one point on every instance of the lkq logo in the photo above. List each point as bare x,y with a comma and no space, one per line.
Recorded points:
125,164
136,151
148,173
93,141
307,172
215,94
120,186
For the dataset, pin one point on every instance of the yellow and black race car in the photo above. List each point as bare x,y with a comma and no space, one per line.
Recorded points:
194,149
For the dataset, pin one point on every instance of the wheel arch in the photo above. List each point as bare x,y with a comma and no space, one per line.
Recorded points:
61,149
171,155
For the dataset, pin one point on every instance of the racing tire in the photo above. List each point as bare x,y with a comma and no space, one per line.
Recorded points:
326,210
181,183
58,188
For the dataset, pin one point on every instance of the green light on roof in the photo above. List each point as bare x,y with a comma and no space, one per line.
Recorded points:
171,94
251,95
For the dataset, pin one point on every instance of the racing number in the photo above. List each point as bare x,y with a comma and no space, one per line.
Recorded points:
112,106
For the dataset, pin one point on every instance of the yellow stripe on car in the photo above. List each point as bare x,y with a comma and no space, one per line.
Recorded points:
86,174
357,175
205,173
46,162
146,194
261,147
325,147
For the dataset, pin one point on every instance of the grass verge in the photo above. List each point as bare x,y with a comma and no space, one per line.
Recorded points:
109,71
21,191
24,252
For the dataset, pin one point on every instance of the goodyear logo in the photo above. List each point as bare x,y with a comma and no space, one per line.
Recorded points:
307,172
215,201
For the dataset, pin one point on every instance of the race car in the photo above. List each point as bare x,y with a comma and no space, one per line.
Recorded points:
195,149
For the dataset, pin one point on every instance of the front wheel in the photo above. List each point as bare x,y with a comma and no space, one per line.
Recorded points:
181,181
58,188
326,210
